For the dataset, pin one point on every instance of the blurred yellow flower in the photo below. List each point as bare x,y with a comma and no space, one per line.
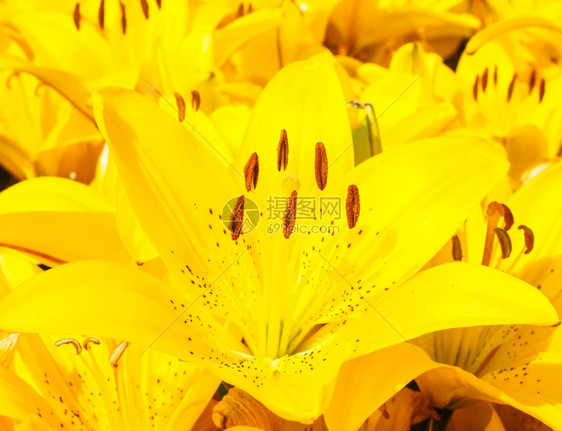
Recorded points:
90,383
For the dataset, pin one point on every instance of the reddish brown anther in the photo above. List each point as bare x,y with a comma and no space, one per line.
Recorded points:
251,172
123,19
283,151
195,100
144,6
290,215
511,87
542,90
485,80
321,166
457,248
505,242
76,16
529,238
181,106
101,14
475,88
237,219
352,206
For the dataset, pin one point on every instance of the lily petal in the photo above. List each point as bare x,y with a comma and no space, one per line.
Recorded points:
57,221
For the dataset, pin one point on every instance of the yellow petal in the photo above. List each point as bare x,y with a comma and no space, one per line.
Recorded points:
185,227
387,370
58,220
299,99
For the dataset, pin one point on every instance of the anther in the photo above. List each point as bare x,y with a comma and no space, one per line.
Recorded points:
195,100
144,5
321,166
237,219
475,88
485,80
283,151
532,80
505,242
117,353
290,215
89,340
181,106
529,238
457,248
159,3
511,87
76,16
240,11
496,75
494,212
101,14
352,206
251,172
123,18
72,341
542,90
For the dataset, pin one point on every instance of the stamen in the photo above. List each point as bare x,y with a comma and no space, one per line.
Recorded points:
76,16
101,14
505,242
237,218
123,18
89,340
144,5
529,238
495,212
181,106
457,248
283,151
542,90
532,80
72,341
240,11
195,100
475,88
507,216
117,353
511,87
251,172
485,80
290,215
321,166
159,3
352,206
496,75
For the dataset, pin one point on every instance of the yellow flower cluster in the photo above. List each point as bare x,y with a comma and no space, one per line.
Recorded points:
280,215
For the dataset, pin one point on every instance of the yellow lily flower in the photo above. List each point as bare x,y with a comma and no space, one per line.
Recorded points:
516,365
426,90
350,31
90,383
517,106
272,313
173,46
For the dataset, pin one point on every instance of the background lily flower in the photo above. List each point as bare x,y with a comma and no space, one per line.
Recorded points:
275,316
91,383
372,31
150,46
517,106
515,365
